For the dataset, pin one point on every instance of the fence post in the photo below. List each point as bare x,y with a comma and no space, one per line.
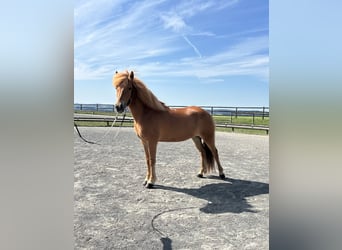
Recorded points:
253,118
81,106
211,110
263,112
97,107
236,111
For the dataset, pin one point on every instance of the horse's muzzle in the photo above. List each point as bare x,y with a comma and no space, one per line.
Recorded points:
120,108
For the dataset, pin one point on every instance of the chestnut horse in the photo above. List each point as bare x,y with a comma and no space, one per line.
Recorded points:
154,121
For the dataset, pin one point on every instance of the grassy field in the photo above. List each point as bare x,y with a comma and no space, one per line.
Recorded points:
243,120
219,119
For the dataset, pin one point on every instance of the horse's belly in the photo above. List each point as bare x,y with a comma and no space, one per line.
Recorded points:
182,124
173,138
176,133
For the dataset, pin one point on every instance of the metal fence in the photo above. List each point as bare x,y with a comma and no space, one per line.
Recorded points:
213,110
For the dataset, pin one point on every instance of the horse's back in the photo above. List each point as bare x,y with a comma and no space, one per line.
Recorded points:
197,114
184,123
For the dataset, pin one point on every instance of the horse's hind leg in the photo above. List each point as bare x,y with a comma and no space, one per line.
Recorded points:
216,156
211,144
198,143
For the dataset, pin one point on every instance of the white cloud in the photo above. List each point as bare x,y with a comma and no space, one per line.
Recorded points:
243,59
84,72
109,37
173,22
194,7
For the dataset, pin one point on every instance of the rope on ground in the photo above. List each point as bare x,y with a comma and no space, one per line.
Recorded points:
97,142
163,235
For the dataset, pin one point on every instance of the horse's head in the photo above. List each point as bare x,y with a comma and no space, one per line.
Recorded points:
123,83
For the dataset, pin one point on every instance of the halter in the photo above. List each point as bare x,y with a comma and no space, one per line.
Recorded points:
132,92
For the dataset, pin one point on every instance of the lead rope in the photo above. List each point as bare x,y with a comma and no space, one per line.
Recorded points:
97,142
166,241
79,134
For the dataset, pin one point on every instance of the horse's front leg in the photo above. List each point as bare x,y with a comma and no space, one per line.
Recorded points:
147,156
150,153
152,148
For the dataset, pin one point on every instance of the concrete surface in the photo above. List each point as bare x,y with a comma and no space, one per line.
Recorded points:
114,211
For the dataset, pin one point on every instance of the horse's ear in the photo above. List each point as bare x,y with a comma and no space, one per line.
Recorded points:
131,75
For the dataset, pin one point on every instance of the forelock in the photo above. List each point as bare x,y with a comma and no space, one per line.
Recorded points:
119,77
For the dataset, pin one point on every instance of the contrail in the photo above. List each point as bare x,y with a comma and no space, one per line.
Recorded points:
193,46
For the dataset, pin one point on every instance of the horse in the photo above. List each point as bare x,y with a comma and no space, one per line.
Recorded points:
154,122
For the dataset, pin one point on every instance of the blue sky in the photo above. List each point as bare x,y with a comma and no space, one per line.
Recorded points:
193,52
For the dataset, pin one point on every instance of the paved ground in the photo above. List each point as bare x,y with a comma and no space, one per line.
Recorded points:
114,211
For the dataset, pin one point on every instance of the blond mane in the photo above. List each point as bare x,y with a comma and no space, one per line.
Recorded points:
147,97
143,93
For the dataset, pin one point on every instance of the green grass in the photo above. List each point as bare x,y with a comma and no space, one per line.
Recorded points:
101,113
219,119
241,120
94,112
102,124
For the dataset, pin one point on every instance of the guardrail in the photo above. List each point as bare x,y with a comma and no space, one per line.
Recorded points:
107,120
234,126
213,110
120,120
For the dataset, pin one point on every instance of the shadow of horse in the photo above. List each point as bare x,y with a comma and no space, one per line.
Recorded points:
229,196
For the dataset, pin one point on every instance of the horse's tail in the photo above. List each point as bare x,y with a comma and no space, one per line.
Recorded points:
209,159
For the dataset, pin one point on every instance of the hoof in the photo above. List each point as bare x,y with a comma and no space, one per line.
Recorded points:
222,176
149,185
144,183
200,175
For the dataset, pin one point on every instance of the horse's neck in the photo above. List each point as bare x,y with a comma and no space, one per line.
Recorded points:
137,108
